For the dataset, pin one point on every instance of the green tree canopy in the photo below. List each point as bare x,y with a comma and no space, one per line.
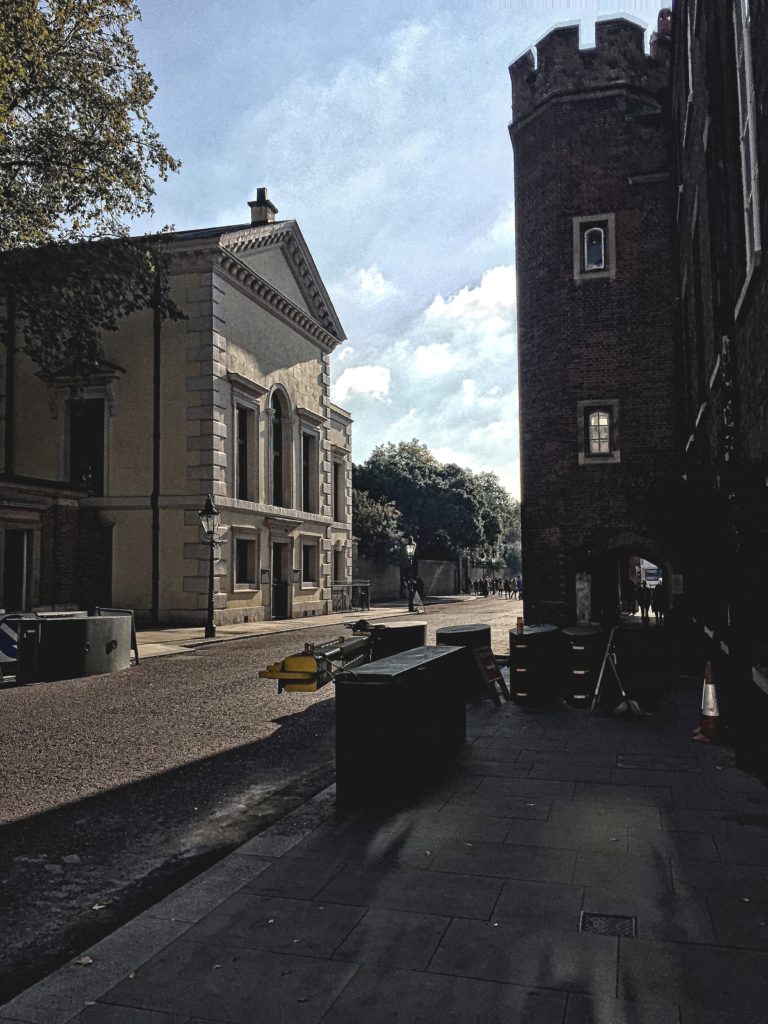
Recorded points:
377,527
77,148
447,509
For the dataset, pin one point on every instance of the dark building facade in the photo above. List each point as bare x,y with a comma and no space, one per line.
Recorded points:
596,298
643,351
719,95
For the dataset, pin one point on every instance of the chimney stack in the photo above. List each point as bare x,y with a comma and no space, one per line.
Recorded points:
262,210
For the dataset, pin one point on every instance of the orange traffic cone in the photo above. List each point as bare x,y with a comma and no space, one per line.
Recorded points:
709,723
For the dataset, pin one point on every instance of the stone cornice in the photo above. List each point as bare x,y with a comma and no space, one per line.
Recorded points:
310,417
287,236
274,301
245,384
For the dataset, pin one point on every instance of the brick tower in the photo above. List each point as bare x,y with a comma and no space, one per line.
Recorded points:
596,275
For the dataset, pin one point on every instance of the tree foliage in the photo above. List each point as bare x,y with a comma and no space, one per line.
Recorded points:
78,154
377,527
447,509
64,297
77,147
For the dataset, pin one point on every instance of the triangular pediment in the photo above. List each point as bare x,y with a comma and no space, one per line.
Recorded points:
278,253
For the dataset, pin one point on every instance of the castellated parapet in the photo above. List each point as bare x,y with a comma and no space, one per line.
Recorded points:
618,59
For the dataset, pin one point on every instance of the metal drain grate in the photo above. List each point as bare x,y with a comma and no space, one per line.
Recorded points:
608,924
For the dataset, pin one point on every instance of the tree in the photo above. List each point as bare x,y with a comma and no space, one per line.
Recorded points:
446,508
77,155
77,148
377,527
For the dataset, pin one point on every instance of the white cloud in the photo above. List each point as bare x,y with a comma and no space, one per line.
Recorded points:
434,359
370,381
373,285
345,352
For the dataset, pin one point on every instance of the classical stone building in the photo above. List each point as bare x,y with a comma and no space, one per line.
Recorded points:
100,502
642,205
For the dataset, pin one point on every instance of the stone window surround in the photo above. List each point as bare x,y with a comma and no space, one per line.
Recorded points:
311,541
247,394
62,394
606,221
584,408
252,535
308,428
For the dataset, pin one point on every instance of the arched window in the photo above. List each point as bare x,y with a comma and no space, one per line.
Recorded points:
599,432
594,249
279,427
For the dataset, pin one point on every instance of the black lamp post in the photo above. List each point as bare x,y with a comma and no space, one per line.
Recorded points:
410,550
209,517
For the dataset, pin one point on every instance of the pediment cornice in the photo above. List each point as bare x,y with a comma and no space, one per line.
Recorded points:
287,236
257,287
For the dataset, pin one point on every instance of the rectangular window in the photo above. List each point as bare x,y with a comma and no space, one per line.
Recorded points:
598,426
243,435
309,472
594,253
747,139
309,563
245,561
339,489
86,444
338,567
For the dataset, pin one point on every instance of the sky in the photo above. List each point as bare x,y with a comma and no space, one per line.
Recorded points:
382,129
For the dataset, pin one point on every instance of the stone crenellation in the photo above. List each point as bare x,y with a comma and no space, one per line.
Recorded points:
618,58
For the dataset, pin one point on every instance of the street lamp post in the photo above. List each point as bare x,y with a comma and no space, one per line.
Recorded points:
410,550
209,517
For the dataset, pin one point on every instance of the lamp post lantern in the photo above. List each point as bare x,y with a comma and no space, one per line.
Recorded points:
209,517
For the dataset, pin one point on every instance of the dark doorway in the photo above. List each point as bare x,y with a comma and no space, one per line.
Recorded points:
15,562
279,582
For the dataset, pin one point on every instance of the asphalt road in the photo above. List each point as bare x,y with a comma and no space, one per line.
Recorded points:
115,789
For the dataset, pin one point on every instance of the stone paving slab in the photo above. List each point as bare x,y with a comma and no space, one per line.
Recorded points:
464,906
234,985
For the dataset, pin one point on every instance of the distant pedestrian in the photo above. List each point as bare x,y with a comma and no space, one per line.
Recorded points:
421,590
410,586
659,602
644,600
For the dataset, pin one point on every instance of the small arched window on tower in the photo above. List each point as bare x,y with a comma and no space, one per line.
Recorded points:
599,432
594,249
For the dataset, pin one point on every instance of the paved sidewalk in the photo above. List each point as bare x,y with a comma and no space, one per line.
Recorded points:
173,640
465,907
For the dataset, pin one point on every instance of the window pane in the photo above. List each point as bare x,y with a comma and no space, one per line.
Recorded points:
245,561
600,432
86,444
594,256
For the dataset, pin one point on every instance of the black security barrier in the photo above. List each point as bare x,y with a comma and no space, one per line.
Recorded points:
586,650
395,637
70,647
473,637
399,721
537,664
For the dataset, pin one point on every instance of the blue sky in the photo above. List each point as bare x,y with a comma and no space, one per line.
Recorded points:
382,129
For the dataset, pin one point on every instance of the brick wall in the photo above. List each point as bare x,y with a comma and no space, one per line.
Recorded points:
593,141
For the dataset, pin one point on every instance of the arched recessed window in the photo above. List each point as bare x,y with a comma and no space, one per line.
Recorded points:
594,249
599,432
278,450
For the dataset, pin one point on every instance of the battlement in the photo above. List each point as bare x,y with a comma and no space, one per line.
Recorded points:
618,57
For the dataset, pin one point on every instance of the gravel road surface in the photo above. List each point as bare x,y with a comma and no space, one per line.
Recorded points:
118,788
